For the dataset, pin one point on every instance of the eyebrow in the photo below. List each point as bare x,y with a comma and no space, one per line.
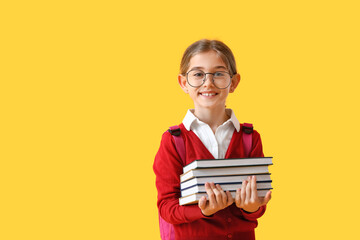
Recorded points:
217,67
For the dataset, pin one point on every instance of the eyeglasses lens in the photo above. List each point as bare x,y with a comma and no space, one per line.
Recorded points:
196,78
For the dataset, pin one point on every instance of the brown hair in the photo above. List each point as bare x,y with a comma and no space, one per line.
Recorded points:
205,45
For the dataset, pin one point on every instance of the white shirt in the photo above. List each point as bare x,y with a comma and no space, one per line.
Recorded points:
217,143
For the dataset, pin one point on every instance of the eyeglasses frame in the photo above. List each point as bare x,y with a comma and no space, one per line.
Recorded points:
212,79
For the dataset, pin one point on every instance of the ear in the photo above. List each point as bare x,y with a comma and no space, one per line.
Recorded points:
182,82
235,80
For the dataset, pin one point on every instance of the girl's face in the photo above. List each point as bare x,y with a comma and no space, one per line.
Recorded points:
207,95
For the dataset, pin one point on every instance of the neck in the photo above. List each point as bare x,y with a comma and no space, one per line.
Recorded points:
213,117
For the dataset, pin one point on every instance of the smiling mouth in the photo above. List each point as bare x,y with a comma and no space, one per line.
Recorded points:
208,94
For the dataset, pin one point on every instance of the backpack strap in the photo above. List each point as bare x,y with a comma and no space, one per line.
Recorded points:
247,129
179,142
167,231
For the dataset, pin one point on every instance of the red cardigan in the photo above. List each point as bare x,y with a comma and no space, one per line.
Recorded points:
189,223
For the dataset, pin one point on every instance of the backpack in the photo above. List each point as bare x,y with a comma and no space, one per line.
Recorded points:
167,229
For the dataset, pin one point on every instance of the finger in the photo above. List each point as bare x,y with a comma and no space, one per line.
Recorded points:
267,198
223,196
230,199
248,191
243,192
210,193
238,197
202,203
217,194
254,194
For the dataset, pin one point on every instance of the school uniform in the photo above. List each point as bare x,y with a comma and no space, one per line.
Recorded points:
189,222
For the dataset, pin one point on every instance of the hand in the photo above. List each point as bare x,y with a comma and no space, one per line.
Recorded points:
247,197
218,199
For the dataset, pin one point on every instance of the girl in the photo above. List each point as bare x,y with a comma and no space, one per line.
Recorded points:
208,74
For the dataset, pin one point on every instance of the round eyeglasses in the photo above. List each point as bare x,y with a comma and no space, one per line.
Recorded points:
220,79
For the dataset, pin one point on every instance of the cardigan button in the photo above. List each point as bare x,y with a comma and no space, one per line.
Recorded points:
229,220
229,235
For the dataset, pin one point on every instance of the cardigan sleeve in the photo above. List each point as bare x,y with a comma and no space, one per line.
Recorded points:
255,215
168,168
256,151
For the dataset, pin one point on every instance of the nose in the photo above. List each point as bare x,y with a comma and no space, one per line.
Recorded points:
208,79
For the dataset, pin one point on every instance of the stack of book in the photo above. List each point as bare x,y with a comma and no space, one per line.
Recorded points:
228,173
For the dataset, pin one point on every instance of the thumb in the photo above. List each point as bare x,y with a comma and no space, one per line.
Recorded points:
229,198
267,198
202,203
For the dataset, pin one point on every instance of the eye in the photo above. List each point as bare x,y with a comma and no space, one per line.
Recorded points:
198,74
219,74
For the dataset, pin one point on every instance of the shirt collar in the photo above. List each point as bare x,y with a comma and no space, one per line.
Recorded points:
233,119
190,118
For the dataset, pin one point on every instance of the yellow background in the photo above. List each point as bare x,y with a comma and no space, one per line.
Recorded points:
88,87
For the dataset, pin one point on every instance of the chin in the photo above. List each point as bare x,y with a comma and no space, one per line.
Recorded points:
210,106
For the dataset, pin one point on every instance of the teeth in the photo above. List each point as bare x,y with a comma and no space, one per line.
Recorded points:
208,94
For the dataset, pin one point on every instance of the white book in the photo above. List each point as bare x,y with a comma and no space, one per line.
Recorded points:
226,187
194,198
250,170
232,162
222,179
